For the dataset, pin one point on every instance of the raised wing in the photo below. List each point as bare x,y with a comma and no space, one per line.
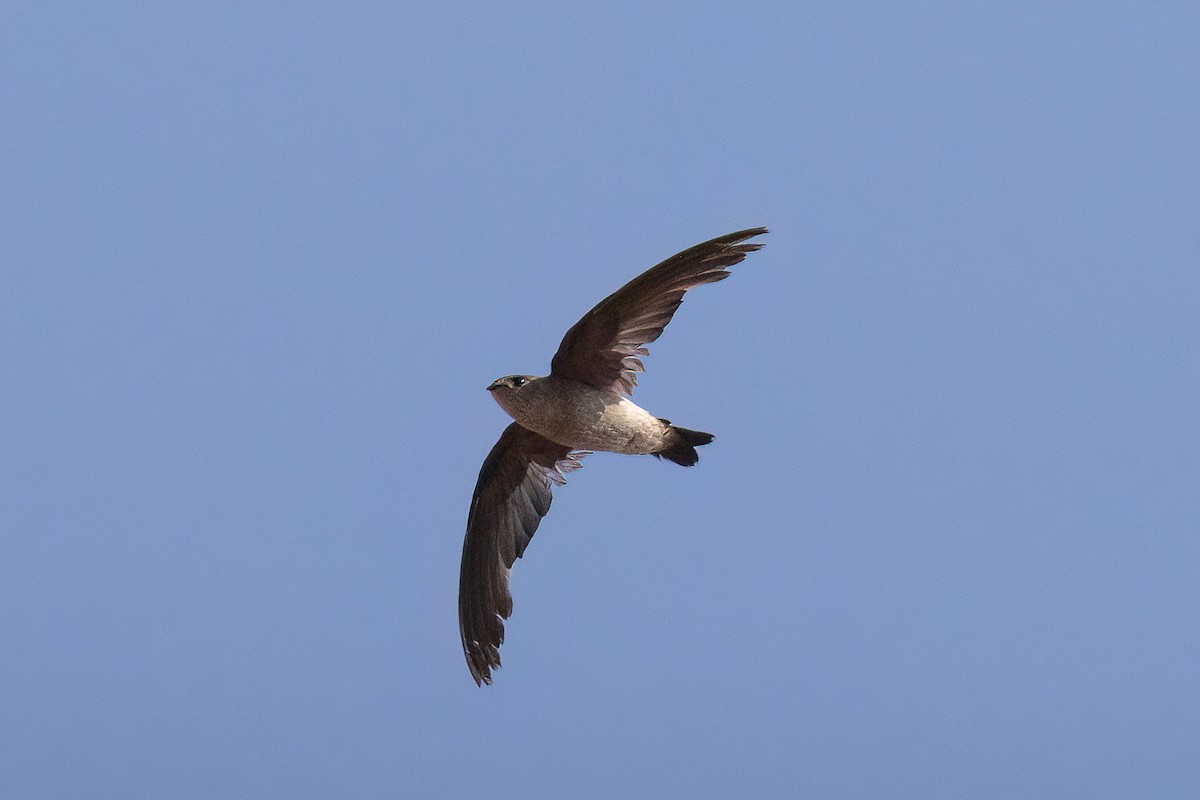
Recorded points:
511,497
603,348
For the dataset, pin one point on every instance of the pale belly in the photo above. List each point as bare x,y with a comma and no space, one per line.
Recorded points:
601,421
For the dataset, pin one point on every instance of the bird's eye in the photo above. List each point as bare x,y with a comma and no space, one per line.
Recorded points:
518,381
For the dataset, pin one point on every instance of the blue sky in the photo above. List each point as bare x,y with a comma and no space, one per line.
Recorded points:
261,260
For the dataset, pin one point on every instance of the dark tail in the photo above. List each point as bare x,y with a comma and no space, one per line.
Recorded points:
682,449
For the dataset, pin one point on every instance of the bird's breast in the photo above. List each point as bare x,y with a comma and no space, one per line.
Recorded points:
585,418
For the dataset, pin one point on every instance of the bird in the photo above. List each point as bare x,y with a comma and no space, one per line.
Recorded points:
581,407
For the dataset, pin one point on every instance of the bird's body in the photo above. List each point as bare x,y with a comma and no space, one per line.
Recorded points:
582,417
582,406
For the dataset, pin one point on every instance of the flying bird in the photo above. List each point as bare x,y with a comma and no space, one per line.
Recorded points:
582,406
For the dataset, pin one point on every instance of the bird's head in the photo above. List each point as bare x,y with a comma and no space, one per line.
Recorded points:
510,383
506,390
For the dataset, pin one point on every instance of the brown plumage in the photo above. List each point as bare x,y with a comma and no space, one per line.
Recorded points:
603,348
581,406
511,497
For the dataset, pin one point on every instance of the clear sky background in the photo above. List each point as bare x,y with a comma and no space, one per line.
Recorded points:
259,261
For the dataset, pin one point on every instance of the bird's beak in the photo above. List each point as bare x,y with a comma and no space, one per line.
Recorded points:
493,386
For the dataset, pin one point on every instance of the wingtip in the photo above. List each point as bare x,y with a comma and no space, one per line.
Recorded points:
481,673
749,233
733,241
732,247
